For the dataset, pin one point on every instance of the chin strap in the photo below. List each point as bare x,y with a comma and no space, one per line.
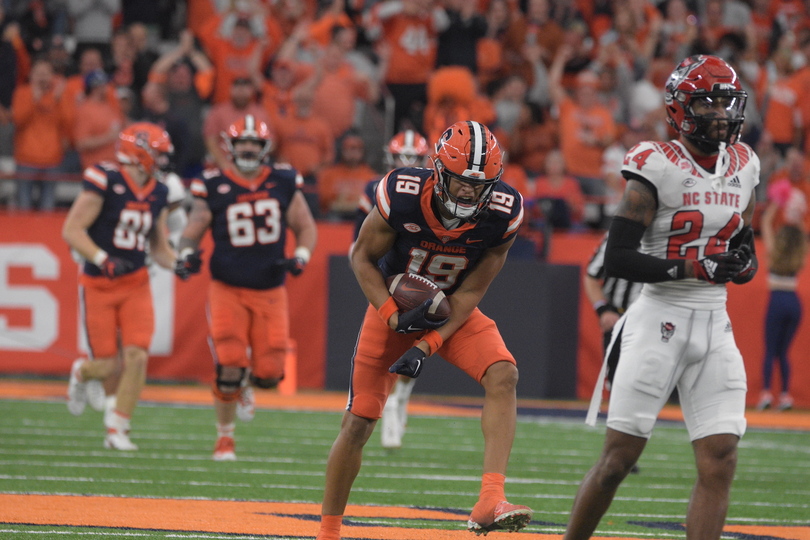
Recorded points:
718,178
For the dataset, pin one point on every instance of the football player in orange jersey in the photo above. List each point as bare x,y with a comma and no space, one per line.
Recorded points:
405,149
453,224
121,208
248,209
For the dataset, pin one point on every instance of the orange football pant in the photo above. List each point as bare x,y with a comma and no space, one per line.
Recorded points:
475,346
124,305
240,318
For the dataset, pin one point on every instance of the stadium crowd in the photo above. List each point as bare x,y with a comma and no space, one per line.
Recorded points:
567,86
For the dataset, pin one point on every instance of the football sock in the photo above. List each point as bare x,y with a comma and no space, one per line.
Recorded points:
109,403
330,528
403,389
492,487
226,430
117,421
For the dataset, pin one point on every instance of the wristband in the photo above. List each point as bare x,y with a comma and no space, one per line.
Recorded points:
100,257
388,308
433,339
603,307
302,253
185,252
599,304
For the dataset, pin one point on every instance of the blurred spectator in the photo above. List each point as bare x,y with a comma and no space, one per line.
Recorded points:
557,197
242,102
453,96
586,128
679,30
38,140
536,135
793,175
779,97
189,80
616,82
145,56
458,42
74,94
515,176
59,57
40,21
306,142
155,14
801,83
10,34
338,86
156,108
122,59
491,55
230,40
408,29
93,24
508,99
341,184
535,30
8,67
277,91
98,121
612,159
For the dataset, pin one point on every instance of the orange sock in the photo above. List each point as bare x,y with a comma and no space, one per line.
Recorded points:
330,528
492,487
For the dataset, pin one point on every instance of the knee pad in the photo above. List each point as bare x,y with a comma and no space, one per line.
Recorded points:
263,383
228,384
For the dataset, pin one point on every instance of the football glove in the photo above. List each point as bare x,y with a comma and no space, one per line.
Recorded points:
409,364
295,266
415,321
188,263
718,268
114,267
748,256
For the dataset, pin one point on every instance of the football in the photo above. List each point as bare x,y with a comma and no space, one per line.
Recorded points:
410,290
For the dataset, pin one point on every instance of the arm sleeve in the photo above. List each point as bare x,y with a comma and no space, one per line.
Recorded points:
623,260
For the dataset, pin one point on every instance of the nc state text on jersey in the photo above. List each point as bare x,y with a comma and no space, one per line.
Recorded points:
722,198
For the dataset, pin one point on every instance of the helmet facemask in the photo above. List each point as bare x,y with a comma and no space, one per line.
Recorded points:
463,208
249,161
707,131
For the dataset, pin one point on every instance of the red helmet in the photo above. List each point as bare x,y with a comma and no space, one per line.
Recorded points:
469,152
711,80
249,128
406,149
144,144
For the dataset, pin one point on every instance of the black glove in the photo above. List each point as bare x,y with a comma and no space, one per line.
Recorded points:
748,257
718,268
188,264
415,321
410,363
294,266
113,267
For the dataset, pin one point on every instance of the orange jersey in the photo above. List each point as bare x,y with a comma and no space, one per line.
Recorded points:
413,42
93,119
38,128
583,159
305,143
341,186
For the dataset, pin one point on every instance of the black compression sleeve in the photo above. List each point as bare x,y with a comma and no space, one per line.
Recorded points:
623,260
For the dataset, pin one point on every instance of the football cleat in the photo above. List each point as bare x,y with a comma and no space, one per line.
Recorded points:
77,389
246,404
119,440
506,517
225,449
391,428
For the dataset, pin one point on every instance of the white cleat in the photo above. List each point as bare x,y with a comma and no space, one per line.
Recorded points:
117,440
77,389
246,404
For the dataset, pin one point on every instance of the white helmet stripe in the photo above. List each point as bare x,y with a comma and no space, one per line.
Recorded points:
250,123
478,147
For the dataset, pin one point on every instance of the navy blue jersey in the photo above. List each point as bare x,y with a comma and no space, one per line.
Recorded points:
248,223
423,245
127,216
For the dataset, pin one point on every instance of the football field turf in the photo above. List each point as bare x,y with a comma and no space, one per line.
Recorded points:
58,482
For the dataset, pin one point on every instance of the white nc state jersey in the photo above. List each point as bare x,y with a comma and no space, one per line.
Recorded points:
696,217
